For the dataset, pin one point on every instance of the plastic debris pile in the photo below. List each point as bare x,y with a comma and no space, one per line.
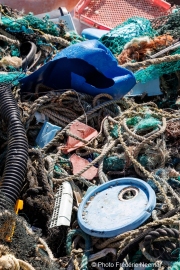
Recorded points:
102,182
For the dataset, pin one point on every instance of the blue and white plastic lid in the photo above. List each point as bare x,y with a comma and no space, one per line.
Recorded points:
108,211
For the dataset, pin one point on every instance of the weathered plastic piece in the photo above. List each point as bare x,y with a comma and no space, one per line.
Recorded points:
87,67
63,206
150,88
40,117
66,18
107,211
82,131
46,134
79,163
93,33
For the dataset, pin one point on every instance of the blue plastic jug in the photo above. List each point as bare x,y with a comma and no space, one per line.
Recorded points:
87,67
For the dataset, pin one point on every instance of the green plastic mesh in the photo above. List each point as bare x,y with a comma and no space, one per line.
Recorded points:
30,22
123,33
143,160
170,25
175,266
75,38
113,164
164,25
155,71
14,51
11,77
57,168
138,27
44,25
142,124
147,123
133,120
19,25
114,132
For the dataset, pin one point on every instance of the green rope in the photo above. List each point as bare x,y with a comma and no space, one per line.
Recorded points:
71,234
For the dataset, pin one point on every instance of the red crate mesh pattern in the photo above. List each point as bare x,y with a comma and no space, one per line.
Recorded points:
110,13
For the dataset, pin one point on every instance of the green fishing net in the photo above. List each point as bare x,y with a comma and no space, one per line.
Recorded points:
123,33
118,37
29,22
133,120
74,37
18,25
147,123
113,164
169,24
154,71
114,132
11,77
14,51
165,25
143,160
44,25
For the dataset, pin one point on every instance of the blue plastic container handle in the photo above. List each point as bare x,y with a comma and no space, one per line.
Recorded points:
105,213
93,33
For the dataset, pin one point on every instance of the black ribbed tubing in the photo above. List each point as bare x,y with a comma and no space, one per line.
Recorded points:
17,152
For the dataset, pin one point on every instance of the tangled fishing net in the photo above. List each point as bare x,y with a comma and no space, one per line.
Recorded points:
17,28
144,38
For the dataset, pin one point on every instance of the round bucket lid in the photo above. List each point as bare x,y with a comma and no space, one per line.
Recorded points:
116,207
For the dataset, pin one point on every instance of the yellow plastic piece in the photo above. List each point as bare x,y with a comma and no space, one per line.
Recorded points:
18,206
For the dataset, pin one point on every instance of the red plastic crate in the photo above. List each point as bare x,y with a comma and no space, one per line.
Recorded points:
106,14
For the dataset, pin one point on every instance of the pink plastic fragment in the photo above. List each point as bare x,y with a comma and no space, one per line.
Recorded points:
82,131
79,163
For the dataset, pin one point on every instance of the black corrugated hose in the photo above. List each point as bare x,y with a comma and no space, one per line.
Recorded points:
17,152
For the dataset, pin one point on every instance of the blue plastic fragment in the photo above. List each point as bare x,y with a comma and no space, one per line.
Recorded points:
93,33
87,67
105,212
46,134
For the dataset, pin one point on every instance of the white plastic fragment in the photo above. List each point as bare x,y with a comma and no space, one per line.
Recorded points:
40,117
63,206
